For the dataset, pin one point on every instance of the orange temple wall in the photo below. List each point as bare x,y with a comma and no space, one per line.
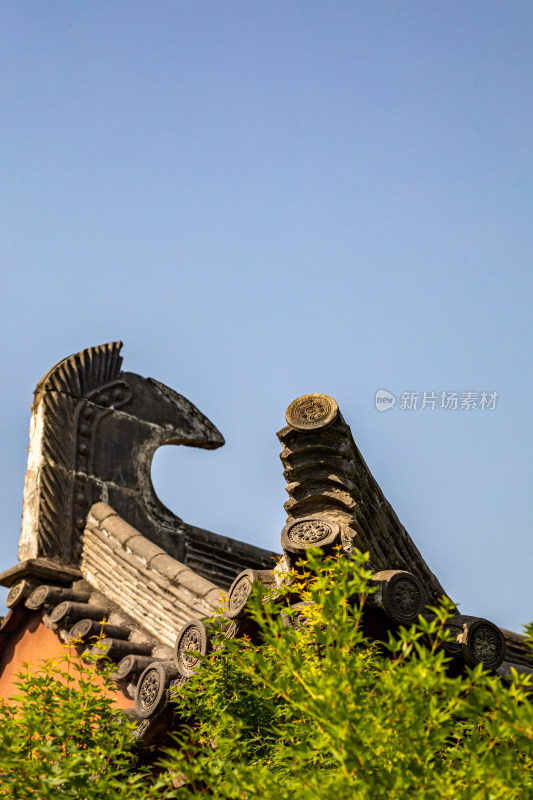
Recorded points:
32,643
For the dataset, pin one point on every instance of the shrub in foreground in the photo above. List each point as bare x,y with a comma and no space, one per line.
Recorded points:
319,711
315,711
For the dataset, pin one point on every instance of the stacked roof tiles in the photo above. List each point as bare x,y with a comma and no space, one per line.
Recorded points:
101,558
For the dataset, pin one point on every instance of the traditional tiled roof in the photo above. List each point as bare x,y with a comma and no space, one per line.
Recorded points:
159,592
334,503
97,544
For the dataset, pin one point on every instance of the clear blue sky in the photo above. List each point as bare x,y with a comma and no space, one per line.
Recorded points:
269,199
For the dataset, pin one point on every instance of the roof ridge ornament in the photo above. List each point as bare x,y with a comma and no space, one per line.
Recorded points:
312,412
329,483
93,433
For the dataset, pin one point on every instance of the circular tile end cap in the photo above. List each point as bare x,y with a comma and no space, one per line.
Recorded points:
193,636
312,412
15,594
314,531
404,597
151,689
484,642
238,594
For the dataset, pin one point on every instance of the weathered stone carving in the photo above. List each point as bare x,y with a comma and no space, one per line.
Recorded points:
192,637
93,434
313,531
148,690
20,591
478,639
327,477
241,588
311,412
400,594
153,688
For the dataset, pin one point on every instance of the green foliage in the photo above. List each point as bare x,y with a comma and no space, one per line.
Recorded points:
315,711
61,737
318,711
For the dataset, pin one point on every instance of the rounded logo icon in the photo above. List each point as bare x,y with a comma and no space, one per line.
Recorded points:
312,412
384,400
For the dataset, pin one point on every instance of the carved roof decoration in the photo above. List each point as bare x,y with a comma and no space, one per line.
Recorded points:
334,503
93,433
81,374
96,542
327,476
